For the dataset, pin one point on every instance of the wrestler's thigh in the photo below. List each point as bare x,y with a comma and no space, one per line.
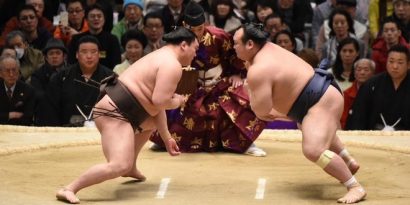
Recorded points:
117,139
318,130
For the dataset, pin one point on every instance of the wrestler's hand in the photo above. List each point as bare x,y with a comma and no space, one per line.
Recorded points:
180,98
236,81
172,147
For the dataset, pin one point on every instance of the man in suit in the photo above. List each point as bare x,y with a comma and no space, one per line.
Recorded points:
173,14
17,99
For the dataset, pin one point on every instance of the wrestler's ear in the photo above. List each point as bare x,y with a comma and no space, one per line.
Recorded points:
250,44
184,45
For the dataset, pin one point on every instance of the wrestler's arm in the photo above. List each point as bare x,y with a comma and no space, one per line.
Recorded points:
161,123
260,93
167,78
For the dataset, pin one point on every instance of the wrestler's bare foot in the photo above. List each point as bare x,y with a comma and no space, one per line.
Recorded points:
354,195
67,196
136,175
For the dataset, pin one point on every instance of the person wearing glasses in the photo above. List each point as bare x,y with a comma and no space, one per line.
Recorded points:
153,30
17,99
76,22
110,52
14,24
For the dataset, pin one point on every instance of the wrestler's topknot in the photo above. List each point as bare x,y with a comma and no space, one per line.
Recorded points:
178,35
255,32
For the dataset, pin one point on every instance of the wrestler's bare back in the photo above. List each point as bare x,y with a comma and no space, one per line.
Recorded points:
277,66
143,77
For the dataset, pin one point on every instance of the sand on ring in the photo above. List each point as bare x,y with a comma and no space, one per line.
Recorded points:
35,162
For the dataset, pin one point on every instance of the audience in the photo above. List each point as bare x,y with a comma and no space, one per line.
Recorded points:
76,22
295,13
133,19
37,37
223,16
17,99
341,27
30,58
382,101
390,36
401,14
153,31
286,40
55,54
172,14
73,91
363,69
110,51
133,41
42,22
26,30
347,55
378,11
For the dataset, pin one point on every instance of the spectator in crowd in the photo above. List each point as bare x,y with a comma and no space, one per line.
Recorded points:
295,13
309,56
172,14
154,5
133,18
243,11
262,9
273,24
322,11
76,22
378,11
153,30
55,54
360,30
286,40
382,102
110,51
8,51
401,14
347,55
362,11
42,22
17,98
107,8
363,70
223,16
30,58
8,10
77,85
390,36
37,37
133,41
217,115
341,24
